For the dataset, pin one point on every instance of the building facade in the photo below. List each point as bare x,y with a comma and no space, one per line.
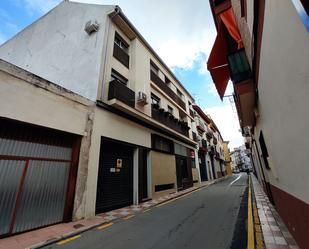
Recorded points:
264,50
121,124
211,158
227,158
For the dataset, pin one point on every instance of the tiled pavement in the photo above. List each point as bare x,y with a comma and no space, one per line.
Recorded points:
41,236
275,233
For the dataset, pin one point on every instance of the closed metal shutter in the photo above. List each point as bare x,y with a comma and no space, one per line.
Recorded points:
115,184
34,174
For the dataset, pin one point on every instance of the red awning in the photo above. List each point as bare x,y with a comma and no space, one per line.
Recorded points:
229,21
217,63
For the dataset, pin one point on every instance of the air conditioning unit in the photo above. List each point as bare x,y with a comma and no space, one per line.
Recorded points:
142,98
199,138
91,26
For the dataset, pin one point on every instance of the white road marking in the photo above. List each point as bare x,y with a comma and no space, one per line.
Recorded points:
235,180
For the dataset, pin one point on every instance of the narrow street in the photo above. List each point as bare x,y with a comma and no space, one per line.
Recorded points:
206,218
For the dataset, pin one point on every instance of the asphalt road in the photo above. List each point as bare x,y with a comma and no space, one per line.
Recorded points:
204,219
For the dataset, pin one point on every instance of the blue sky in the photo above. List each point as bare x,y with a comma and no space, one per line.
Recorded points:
182,41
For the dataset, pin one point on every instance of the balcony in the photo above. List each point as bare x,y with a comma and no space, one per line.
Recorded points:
239,66
215,140
212,150
121,55
203,145
168,120
241,76
200,125
165,88
209,134
119,91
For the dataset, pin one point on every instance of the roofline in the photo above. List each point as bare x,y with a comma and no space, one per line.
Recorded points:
119,12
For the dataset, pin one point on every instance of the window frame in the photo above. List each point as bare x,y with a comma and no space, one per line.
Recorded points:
157,100
122,43
117,76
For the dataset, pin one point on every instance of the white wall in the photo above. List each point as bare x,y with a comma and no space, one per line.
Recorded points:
57,48
284,97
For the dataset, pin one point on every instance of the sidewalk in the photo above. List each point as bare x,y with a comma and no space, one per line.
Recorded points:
275,233
51,234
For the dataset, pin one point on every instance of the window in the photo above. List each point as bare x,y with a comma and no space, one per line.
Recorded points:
121,49
170,109
162,144
243,7
121,43
154,68
264,150
117,76
167,80
155,100
189,103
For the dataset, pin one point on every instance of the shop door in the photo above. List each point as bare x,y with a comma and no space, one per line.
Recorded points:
181,171
115,178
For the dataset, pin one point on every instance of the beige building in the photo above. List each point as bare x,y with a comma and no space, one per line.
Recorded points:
125,121
210,154
264,50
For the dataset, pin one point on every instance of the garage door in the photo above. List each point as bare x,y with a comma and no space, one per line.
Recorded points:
115,178
35,165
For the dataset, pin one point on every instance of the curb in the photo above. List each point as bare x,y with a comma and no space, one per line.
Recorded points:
52,241
250,240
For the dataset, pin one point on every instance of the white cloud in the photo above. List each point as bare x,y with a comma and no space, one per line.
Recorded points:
227,123
178,30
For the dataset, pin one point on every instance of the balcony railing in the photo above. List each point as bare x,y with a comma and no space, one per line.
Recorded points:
165,88
121,55
168,120
119,91
239,66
